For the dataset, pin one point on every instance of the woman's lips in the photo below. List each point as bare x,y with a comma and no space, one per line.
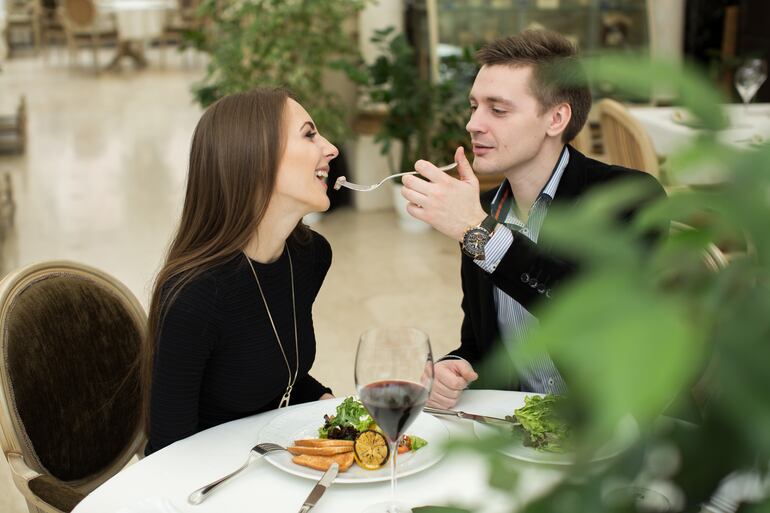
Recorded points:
322,175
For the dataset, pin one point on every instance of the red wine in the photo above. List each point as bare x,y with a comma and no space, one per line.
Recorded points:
394,404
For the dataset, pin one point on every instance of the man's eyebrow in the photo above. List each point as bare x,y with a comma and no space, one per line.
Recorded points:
312,126
498,99
492,99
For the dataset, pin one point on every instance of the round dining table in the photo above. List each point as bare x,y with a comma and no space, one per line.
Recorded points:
138,22
163,481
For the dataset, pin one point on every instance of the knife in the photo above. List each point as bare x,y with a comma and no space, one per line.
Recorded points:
320,487
483,419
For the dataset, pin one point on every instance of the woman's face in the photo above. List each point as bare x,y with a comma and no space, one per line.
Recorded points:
304,166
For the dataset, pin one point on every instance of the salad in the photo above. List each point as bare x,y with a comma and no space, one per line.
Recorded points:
352,420
543,425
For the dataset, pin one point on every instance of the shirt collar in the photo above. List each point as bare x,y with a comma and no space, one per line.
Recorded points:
549,189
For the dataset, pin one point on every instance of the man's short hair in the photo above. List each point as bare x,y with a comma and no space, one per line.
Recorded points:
557,75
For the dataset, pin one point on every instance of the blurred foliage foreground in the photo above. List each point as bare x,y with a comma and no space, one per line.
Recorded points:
657,334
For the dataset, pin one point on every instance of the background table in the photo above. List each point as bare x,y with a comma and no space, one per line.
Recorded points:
138,21
173,473
668,135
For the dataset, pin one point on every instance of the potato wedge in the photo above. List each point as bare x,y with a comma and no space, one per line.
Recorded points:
323,442
320,451
324,462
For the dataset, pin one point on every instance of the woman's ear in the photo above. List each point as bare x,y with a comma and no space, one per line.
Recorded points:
560,117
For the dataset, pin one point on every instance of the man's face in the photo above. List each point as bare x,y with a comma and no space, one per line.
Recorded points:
506,126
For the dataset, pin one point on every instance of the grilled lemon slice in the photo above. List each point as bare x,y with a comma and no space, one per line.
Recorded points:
371,450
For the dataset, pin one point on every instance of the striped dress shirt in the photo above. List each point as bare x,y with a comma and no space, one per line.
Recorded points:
515,322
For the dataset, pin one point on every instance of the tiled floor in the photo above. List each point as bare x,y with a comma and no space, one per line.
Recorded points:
102,182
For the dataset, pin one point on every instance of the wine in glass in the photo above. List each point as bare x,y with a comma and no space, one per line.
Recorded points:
749,77
394,375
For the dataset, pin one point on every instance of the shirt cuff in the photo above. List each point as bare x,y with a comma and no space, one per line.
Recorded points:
451,357
496,248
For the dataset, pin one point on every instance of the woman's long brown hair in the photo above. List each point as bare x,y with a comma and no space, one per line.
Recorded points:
236,150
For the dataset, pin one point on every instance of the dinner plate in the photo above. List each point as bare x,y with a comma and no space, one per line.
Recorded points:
685,118
625,435
304,421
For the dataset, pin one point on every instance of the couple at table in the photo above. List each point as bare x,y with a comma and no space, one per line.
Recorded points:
230,324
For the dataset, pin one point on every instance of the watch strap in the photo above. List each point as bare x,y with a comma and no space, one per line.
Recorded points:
489,224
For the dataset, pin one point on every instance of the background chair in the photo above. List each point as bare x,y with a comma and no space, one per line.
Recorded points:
626,143
21,29
84,26
49,25
71,413
179,22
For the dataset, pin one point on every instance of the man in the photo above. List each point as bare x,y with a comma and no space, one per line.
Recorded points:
523,114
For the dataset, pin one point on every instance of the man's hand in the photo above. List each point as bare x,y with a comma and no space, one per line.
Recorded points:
449,205
326,396
450,378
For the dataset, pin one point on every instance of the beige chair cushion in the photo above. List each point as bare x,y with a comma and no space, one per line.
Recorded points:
70,346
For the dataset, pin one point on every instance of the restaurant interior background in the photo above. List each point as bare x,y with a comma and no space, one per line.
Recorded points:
97,107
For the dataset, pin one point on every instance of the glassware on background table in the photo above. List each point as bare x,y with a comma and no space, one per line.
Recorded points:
394,375
749,77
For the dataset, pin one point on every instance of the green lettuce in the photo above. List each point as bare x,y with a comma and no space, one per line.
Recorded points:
350,413
417,442
542,425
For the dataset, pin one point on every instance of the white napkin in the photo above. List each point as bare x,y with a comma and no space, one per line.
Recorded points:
150,505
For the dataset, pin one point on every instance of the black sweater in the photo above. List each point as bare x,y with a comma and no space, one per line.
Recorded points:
217,358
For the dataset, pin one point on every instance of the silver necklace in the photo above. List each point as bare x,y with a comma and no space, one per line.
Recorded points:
292,380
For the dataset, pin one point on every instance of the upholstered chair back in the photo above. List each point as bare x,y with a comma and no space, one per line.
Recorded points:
70,338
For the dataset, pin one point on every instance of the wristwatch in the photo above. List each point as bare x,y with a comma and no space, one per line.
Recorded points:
475,238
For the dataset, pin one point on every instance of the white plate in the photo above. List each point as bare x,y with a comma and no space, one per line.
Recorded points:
625,435
304,421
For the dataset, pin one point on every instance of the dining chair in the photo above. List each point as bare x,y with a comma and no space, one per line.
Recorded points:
49,25
626,143
70,392
20,20
584,140
694,402
85,26
179,22
13,130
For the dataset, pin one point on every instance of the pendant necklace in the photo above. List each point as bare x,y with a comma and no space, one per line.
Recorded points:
292,380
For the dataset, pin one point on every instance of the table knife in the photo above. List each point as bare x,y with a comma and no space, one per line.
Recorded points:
320,488
483,419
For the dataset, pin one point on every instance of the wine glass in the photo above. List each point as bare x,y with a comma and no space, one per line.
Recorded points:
749,77
394,375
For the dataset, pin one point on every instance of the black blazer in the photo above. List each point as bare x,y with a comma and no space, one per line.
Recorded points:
528,272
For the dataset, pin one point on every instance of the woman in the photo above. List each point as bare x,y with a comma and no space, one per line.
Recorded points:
230,324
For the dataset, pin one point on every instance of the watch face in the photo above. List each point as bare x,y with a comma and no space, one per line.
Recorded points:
474,242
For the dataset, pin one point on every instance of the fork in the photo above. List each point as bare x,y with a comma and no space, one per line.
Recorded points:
256,452
342,182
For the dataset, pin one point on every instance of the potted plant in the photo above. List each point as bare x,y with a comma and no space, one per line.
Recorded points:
420,120
270,43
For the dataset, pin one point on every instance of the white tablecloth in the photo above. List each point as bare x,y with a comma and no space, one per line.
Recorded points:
138,19
668,135
165,479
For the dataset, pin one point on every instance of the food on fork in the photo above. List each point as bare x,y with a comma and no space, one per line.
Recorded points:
322,463
319,451
339,182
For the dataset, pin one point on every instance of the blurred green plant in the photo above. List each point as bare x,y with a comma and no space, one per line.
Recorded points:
277,43
428,120
657,333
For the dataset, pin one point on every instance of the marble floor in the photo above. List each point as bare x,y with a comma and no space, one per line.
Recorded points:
102,182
